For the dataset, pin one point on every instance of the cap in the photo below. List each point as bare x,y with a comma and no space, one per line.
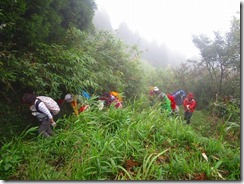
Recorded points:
68,98
155,89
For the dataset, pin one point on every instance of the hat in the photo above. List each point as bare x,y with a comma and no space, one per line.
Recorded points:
190,95
68,98
155,89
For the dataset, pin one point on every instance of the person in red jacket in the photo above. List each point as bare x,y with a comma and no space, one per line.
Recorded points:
189,106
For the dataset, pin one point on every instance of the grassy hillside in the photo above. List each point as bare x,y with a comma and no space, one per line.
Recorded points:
137,142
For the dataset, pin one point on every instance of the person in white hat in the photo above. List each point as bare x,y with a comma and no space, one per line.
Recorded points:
68,98
165,101
155,89
73,102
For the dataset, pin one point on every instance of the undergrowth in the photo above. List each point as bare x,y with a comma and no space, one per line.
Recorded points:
137,142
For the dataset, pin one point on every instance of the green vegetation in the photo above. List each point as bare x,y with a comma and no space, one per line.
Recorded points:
133,143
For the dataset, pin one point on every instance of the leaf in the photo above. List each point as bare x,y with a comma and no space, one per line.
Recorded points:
205,156
130,164
218,164
220,176
215,158
7,166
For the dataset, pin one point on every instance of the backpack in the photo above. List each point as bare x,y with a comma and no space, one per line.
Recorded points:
179,97
50,104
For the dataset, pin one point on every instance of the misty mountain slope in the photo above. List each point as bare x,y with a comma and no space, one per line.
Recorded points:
157,55
101,20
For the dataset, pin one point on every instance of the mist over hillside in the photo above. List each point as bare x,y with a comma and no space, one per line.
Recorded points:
101,20
158,55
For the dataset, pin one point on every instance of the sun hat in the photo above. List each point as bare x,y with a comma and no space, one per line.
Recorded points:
155,89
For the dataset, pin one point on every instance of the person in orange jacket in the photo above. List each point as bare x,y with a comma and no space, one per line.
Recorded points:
189,106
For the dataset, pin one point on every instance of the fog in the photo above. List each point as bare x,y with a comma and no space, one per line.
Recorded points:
164,28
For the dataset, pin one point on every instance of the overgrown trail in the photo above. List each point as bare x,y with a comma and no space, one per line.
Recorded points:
133,143
205,125
214,127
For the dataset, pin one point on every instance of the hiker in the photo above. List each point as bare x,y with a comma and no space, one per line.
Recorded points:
151,92
42,113
189,106
165,102
109,99
71,99
104,101
151,96
117,95
74,100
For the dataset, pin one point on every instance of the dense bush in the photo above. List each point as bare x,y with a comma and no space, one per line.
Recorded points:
137,142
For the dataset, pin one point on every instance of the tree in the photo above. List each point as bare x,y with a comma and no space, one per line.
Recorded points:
78,13
221,56
26,23
233,41
30,28
11,14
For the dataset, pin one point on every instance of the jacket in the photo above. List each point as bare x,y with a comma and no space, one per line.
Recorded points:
44,114
192,104
172,99
165,102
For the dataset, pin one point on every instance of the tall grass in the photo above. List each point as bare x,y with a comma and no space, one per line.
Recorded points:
137,142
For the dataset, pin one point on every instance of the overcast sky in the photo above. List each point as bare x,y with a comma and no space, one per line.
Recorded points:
172,22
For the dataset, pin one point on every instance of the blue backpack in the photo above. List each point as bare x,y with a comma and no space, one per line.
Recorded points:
179,96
